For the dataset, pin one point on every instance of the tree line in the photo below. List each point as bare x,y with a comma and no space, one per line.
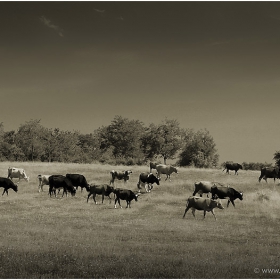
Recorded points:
123,141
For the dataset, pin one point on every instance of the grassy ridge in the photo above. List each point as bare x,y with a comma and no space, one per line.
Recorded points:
45,237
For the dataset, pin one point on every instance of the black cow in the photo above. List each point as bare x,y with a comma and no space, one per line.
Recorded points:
7,184
147,180
233,166
226,192
104,190
60,181
124,175
123,194
78,180
269,172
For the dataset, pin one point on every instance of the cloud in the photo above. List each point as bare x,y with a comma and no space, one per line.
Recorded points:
99,11
48,23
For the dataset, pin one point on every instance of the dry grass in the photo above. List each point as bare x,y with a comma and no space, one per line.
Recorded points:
45,237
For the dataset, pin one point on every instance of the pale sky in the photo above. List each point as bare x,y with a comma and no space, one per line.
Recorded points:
213,65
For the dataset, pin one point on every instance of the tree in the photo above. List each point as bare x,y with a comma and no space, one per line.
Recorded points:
164,140
277,158
123,139
29,139
200,149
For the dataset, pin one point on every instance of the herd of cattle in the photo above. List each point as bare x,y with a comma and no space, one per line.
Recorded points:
71,182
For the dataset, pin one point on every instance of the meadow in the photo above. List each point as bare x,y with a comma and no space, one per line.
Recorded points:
48,237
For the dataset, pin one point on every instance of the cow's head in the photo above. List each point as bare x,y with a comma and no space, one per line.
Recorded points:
26,178
240,195
174,169
240,166
217,204
73,191
136,196
153,179
15,187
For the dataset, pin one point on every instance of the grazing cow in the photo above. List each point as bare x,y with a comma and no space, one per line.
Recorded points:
104,190
7,184
43,180
153,166
17,173
57,182
147,180
203,187
127,195
226,192
124,175
78,180
233,166
269,172
165,169
200,203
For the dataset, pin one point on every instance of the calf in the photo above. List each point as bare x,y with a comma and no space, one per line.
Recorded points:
78,180
7,184
204,204
226,192
127,195
124,175
17,173
147,180
43,180
57,182
104,190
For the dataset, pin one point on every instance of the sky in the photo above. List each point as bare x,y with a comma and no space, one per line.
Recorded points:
209,65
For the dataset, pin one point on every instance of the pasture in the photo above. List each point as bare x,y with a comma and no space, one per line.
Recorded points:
43,237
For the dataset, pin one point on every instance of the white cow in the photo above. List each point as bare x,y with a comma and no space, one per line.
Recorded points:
43,180
17,173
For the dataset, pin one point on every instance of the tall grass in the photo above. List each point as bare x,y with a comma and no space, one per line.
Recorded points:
43,237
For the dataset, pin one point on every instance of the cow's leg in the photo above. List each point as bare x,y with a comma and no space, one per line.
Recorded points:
212,211
127,204
93,197
88,196
193,212
102,198
232,202
186,210
109,199
5,190
260,178
117,200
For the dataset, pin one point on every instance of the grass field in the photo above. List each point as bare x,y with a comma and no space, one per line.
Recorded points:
43,237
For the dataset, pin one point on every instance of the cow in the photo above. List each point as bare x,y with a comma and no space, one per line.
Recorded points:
78,180
147,180
203,187
226,192
104,190
126,195
204,204
165,169
232,166
153,166
7,184
43,180
124,175
17,173
60,181
269,172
